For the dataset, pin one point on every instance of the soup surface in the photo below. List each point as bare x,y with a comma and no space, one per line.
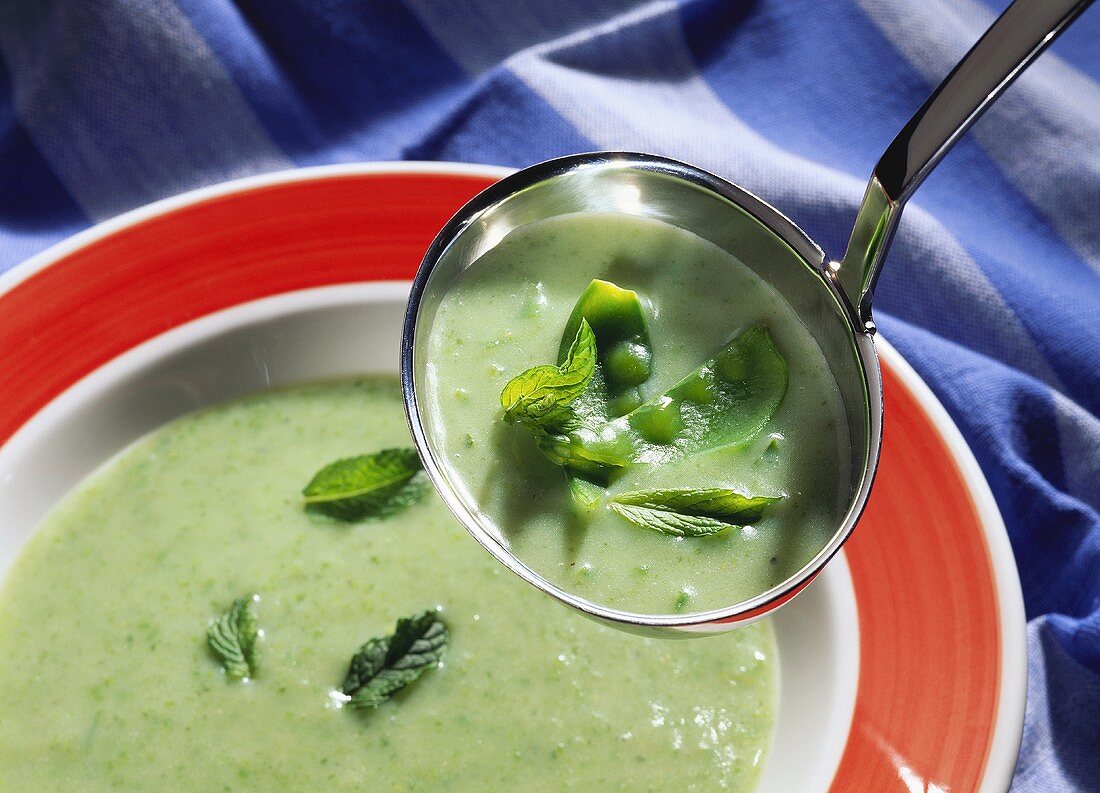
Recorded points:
507,312
108,684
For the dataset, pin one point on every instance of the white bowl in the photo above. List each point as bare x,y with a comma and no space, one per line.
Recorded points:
353,328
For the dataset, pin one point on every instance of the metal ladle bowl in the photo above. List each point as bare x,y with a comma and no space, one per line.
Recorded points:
833,299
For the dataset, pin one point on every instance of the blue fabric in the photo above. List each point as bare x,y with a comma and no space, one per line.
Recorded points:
992,289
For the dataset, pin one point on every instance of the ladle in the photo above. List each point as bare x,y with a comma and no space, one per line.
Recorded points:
833,298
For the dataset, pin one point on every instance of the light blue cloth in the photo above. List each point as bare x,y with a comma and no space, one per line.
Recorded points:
992,289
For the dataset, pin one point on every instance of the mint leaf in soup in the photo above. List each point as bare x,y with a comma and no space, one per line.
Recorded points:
687,512
717,502
233,637
541,396
581,355
386,664
726,400
670,522
367,487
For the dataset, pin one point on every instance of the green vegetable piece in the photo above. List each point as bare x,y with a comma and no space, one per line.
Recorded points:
629,363
586,495
624,351
726,400
587,413
699,387
233,636
386,664
771,452
658,421
690,513
623,404
541,396
367,487
593,459
625,357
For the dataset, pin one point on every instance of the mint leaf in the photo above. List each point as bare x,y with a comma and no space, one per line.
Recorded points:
670,522
717,502
726,400
386,664
687,512
370,486
233,636
541,396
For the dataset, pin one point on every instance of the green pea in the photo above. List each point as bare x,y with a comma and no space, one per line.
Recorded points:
700,387
628,364
624,403
731,366
660,423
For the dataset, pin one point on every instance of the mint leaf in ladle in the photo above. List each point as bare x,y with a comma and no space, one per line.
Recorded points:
687,512
542,396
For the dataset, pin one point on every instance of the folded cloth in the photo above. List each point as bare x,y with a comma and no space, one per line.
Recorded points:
993,285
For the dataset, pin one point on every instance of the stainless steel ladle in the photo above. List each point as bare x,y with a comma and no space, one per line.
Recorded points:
832,298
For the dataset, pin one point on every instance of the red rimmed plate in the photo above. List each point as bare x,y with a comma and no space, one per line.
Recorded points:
940,679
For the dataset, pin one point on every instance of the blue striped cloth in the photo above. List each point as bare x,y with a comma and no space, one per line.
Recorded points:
992,289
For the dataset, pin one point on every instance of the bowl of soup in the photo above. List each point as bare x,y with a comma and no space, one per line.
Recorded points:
160,437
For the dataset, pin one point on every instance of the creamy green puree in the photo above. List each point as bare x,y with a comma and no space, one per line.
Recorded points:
107,682
507,313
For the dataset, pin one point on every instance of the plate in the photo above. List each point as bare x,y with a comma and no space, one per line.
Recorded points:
902,667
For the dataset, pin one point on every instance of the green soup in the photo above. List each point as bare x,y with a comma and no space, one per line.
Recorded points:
507,313
107,682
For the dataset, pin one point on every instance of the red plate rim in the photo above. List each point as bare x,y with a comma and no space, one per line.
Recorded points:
940,698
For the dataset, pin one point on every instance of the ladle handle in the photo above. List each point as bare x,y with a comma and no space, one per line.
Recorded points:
1018,36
